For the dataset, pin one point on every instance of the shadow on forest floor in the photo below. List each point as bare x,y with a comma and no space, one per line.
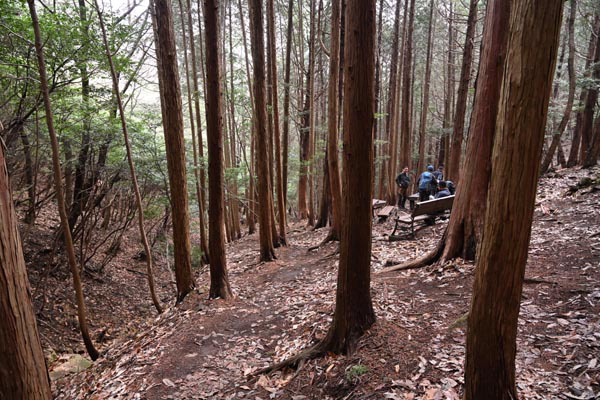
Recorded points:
207,349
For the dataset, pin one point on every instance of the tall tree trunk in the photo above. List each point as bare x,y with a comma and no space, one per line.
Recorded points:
560,156
377,147
227,145
354,310
134,181
29,181
251,186
286,99
449,95
235,203
594,153
492,326
275,109
465,229
332,123
325,202
303,129
587,117
574,156
304,151
453,170
271,153
426,84
405,120
23,374
390,119
196,135
64,219
312,115
556,137
203,244
172,116
267,251
219,282
197,106
590,141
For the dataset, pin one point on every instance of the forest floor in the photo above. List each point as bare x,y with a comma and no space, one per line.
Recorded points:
210,349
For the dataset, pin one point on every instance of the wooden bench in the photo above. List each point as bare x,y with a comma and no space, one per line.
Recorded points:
378,204
412,199
385,212
422,211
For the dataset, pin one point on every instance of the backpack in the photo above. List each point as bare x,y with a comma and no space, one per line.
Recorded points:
425,181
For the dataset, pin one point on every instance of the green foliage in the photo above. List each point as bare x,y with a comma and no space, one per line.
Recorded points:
197,255
354,372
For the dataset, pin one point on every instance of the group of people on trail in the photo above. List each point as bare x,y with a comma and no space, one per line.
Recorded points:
431,183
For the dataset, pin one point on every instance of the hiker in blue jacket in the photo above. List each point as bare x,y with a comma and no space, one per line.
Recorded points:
426,183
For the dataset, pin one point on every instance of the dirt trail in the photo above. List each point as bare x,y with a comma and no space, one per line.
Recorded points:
207,349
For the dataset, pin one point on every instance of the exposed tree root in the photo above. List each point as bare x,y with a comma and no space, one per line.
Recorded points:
335,253
534,281
293,362
331,343
331,237
428,259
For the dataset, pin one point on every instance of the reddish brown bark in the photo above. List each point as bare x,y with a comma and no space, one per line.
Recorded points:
594,152
590,142
556,137
196,135
354,310
574,156
23,374
312,115
267,251
405,119
427,81
453,170
172,116
219,282
448,95
332,123
390,118
587,117
377,148
276,135
492,325
396,139
466,222
286,99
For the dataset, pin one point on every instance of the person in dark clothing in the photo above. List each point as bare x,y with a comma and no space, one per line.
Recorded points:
426,183
441,193
439,174
443,190
403,181
451,187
